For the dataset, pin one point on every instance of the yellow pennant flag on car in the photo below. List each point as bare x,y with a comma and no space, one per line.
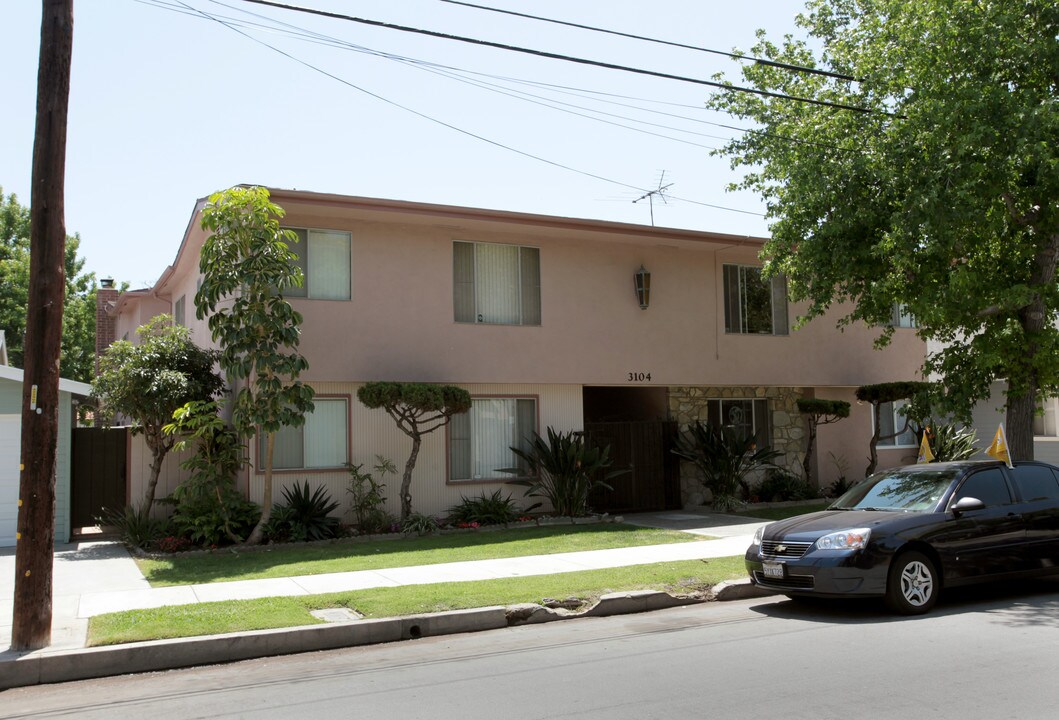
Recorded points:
999,448
925,455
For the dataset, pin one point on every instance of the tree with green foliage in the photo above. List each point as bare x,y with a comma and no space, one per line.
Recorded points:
917,164
914,392
246,264
147,382
818,411
78,354
418,409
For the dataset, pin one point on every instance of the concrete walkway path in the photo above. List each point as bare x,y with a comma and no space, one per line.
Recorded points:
98,577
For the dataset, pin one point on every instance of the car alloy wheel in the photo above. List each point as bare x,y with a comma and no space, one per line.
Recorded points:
913,584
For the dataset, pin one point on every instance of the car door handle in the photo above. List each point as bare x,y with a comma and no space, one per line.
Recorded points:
1015,516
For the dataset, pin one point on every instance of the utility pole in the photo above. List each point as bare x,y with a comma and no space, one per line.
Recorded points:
31,626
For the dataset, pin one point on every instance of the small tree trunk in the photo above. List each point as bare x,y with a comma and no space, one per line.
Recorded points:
1019,424
266,494
810,442
873,457
159,449
406,480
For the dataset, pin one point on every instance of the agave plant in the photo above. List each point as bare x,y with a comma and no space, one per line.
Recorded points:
724,460
565,471
306,516
949,442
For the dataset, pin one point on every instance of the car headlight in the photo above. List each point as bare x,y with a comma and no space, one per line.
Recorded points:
855,539
757,536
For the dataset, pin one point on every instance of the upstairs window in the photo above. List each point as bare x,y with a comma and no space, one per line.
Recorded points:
480,440
901,318
496,284
179,310
324,259
752,305
1044,422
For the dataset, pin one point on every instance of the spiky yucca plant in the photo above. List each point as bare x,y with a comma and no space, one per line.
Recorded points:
565,471
723,458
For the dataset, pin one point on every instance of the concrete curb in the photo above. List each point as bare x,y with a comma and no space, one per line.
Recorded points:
42,666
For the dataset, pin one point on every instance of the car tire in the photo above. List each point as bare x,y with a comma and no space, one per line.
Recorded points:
913,586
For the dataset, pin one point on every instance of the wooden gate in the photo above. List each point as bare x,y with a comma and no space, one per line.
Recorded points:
97,477
652,480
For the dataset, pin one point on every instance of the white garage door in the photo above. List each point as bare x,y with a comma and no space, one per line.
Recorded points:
10,449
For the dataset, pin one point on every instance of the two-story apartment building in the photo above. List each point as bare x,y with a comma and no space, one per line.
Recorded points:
545,321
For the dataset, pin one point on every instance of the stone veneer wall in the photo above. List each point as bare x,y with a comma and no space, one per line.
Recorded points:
688,405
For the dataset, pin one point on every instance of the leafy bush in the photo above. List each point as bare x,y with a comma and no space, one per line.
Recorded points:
368,502
135,526
209,510
419,524
566,471
724,460
780,485
305,516
485,510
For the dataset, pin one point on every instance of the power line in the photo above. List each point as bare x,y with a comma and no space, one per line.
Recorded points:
460,75
737,56
429,118
557,56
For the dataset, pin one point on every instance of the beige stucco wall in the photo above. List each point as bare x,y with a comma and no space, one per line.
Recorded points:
399,325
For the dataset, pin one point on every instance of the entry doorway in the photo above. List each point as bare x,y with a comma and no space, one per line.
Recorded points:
633,422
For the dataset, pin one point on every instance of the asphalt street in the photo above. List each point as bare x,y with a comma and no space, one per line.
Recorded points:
983,653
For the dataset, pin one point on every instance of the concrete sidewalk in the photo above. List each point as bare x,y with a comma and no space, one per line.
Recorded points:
92,578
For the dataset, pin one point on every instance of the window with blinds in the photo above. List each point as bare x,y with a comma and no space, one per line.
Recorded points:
322,442
480,440
496,284
324,259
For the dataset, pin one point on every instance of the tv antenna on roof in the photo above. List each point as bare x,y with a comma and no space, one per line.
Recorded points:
660,191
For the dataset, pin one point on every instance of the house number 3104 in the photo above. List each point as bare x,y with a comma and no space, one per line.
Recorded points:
639,377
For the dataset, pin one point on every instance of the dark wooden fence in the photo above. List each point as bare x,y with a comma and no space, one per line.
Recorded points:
98,473
652,480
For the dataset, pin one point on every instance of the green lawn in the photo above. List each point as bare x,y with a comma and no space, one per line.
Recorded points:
243,615
781,513
288,561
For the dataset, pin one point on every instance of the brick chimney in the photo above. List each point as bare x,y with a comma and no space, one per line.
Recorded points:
106,296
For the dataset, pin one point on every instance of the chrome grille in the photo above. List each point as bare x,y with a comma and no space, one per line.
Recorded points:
784,549
791,582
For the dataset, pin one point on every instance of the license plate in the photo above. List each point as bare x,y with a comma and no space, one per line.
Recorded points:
772,569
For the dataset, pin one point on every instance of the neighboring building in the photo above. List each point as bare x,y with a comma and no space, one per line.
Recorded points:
539,318
11,450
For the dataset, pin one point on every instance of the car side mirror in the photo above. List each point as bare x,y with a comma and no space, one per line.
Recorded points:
966,505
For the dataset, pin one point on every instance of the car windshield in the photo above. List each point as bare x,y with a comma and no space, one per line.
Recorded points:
899,489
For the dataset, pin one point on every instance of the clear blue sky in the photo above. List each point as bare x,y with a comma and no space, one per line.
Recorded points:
167,107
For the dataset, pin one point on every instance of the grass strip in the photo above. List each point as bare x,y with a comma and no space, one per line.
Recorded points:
293,560
680,577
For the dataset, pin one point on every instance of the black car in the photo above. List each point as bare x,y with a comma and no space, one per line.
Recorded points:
908,532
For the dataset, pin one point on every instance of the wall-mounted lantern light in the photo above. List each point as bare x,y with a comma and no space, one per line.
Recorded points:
643,287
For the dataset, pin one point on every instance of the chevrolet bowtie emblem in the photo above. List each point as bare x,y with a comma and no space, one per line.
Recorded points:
781,548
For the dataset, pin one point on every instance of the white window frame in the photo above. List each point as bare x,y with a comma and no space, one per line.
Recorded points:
899,421
735,318
303,248
467,286
452,438
301,432
180,311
